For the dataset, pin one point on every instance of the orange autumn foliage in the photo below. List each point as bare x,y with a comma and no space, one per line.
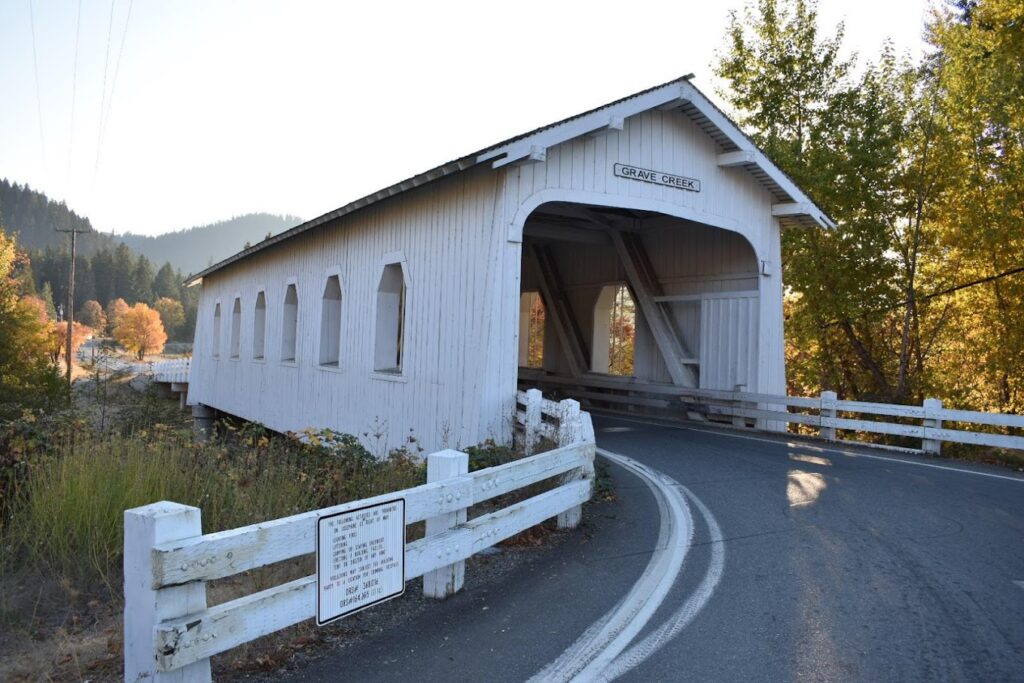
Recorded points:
140,330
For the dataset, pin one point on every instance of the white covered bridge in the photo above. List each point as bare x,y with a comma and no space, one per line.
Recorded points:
633,246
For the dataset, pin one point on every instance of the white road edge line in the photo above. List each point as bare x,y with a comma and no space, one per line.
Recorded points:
679,620
612,633
826,449
854,454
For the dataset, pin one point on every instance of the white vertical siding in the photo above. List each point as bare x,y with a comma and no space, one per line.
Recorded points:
461,240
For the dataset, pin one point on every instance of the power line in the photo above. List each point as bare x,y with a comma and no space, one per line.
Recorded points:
943,292
74,91
39,100
103,92
117,69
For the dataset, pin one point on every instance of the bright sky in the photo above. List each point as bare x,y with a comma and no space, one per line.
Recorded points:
217,108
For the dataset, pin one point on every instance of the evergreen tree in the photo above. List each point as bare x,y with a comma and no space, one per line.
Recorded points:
142,281
167,283
46,294
124,271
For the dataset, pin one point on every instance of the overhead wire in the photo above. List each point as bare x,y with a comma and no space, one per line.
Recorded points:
117,70
74,95
39,99
103,92
932,295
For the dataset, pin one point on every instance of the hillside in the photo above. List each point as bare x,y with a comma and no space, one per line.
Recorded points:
35,218
196,248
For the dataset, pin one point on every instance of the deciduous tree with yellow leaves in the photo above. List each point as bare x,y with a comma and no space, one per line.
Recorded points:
140,331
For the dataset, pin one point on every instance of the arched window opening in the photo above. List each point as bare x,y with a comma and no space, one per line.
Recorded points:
390,342
236,327
330,324
532,318
614,331
216,330
259,327
290,323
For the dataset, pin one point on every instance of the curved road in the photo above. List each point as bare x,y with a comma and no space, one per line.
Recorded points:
784,561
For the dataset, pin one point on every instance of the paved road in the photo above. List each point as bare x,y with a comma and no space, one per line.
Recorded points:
831,566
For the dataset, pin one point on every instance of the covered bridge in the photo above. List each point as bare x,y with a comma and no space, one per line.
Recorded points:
637,244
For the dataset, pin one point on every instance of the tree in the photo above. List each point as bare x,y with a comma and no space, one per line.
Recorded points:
92,315
172,314
140,331
115,309
59,337
27,378
167,282
142,280
867,151
979,89
47,296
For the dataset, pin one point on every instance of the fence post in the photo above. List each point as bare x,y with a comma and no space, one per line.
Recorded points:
144,606
448,580
827,411
533,418
932,406
570,431
737,420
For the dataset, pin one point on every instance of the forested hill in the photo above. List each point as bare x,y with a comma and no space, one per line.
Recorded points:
35,219
196,248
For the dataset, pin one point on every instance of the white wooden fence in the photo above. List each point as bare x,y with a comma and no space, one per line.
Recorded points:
170,633
174,371
929,422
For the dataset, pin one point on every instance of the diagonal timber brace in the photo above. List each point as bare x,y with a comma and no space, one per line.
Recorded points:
558,307
644,284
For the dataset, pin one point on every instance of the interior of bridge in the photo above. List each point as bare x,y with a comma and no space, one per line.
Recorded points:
620,308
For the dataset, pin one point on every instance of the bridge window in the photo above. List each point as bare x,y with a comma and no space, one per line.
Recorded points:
216,330
290,323
532,317
259,327
236,327
330,323
614,331
389,341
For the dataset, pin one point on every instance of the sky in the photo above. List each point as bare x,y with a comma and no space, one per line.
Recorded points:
174,114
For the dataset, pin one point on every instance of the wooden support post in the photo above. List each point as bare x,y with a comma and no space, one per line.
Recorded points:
932,406
827,412
559,310
144,606
447,580
531,429
570,431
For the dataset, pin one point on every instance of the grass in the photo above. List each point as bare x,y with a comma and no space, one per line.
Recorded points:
66,511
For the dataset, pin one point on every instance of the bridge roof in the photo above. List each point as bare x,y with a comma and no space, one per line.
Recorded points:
795,207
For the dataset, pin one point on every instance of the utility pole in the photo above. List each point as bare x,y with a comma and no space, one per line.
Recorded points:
70,317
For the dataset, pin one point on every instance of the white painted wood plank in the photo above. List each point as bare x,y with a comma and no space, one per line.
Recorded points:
976,438
995,419
228,625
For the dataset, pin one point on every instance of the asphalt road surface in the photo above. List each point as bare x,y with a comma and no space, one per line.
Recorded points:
741,557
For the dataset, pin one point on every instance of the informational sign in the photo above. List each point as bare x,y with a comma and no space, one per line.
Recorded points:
360,559
657,177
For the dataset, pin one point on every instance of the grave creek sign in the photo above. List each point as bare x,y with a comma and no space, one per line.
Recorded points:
657,177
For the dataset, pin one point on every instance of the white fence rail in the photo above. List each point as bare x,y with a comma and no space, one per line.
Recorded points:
929,422
172,371
170,633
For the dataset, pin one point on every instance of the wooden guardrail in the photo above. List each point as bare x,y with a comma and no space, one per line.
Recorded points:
929,422
170,633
